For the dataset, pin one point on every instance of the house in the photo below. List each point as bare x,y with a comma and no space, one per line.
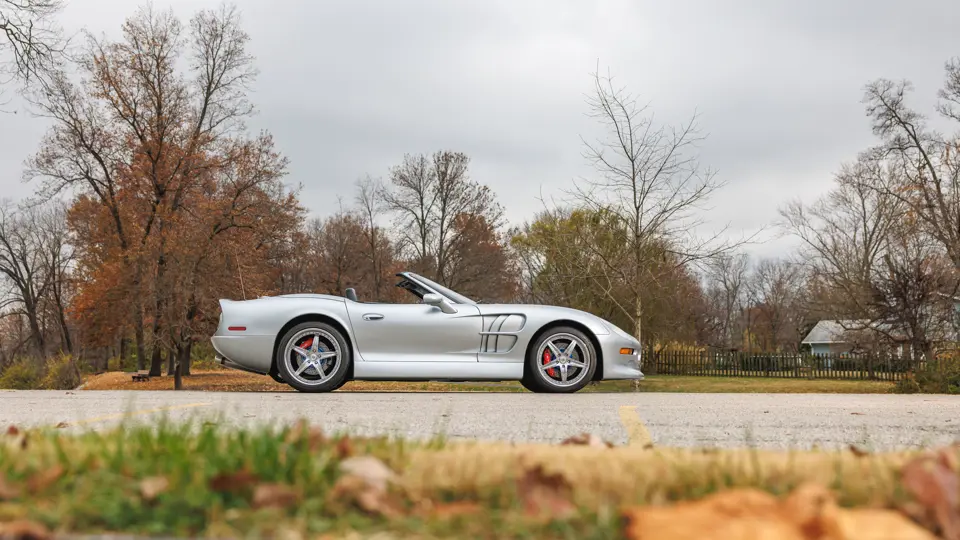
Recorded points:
827,337
833,337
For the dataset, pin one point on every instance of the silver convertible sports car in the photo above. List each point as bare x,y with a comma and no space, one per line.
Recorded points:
317,342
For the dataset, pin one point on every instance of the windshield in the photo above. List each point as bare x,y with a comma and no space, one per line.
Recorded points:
452,295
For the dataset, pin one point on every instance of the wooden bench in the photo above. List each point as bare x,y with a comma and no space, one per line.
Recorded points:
141,376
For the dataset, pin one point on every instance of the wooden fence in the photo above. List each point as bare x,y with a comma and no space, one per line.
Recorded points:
793,366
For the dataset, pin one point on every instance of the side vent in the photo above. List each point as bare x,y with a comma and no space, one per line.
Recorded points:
500,332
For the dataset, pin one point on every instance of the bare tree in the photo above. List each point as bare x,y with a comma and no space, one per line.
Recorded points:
428,196
411,198
32,40
649,178
726,292
775,290
870,254
378,249
927,162
34,262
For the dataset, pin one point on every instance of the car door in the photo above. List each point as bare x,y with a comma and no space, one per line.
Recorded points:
415,332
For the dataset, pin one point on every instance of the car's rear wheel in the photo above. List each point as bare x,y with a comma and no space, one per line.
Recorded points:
563,360
313,357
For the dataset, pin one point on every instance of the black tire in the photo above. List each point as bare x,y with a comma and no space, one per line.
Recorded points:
311,381
276,376
538,380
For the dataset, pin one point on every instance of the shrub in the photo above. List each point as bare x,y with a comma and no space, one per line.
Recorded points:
62,374
941,376
21,375
907,385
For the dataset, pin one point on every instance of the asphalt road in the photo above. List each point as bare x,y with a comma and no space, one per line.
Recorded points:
877,422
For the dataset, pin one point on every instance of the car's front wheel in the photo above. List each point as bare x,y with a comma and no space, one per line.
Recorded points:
313,357
563,360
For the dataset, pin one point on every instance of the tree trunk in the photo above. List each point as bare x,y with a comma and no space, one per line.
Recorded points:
185,364
156,362
171,353
138,336
123,352
183,353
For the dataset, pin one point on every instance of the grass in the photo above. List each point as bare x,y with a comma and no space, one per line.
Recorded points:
207,480
237,381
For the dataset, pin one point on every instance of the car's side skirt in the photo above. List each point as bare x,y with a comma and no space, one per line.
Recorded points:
401,371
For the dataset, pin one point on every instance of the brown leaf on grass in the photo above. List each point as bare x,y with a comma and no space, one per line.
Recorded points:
233,482
344,448
370,469
304,431
13,431
857,451
544,494
62,425
152,487
808,513
587,439
275,496
24,530
934,482
7,492
364,484
44,479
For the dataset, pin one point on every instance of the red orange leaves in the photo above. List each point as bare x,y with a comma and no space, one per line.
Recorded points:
809,513
23,530
934,481
233,482
545,494
364,484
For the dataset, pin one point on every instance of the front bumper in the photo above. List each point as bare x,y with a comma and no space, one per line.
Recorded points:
618,366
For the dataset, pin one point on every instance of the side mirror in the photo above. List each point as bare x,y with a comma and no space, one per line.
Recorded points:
438,301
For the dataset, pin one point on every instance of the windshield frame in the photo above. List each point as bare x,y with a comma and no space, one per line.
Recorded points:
449,294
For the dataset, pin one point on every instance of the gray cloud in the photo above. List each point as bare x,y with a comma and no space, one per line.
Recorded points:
348,87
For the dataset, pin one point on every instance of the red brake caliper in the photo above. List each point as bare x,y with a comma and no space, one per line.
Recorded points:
546,360
306,345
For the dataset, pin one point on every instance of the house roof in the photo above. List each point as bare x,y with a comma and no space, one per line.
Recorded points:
825,332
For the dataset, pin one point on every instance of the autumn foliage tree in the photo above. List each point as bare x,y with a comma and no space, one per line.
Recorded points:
165,169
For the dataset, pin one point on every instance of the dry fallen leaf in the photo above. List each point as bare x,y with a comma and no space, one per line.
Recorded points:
233,482
587,439
935,485
857,451
275,495
364,484
44,479
23,530
545,495
370,469
152,487
344,448
62,425
7,492
808,513
13,431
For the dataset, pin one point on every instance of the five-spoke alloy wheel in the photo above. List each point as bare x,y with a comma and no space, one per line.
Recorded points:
563,360
313,357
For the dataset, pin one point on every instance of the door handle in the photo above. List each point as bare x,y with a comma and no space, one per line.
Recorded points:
372,317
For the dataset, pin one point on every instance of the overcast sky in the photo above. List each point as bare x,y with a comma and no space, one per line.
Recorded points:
348,87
